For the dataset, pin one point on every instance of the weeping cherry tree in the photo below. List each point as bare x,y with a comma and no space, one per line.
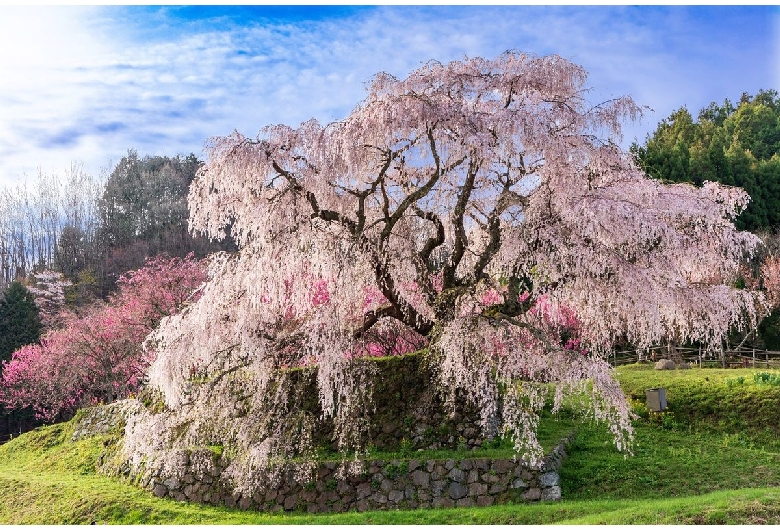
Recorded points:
482,208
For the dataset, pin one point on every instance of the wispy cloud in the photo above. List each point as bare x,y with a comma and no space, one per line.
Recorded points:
88,83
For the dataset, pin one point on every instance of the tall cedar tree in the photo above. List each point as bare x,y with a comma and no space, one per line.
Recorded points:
735,146
20,323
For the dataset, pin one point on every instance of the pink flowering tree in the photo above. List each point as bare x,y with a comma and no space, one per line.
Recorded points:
96,356
482,207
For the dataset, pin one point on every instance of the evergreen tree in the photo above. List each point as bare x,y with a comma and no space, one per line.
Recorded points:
731,145
20,323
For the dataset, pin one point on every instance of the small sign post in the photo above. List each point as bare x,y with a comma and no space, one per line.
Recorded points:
656,399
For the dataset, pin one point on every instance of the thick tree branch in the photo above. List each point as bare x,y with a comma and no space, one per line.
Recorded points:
461,241
422,261
435,241
326,215
390,156
404,311
507,199
372,317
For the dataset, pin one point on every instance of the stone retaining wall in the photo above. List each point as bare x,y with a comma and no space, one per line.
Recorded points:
395,484
407,411
103,419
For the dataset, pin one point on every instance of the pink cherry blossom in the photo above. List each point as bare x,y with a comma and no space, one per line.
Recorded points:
482,208
96,356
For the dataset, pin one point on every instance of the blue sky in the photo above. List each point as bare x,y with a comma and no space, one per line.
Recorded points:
85,84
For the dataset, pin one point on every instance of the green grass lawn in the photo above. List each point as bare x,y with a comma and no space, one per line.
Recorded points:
700,462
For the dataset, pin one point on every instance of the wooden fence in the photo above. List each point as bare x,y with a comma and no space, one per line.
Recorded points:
727,358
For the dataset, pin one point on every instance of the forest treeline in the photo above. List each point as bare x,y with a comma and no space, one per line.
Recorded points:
92,231
733,144
736,145
65,241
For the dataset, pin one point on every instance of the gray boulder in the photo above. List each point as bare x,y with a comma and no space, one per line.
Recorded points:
665,364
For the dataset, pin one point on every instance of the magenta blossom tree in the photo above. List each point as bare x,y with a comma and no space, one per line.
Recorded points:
483,206
96,356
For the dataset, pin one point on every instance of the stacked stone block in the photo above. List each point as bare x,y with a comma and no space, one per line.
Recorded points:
384,485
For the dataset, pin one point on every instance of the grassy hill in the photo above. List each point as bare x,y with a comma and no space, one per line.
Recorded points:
713,457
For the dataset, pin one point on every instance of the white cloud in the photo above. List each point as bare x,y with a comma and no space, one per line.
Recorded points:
87,84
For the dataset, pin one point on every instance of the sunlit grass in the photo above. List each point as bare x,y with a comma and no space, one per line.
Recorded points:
695,466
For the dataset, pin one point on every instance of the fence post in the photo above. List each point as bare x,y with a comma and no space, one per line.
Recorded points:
701,361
